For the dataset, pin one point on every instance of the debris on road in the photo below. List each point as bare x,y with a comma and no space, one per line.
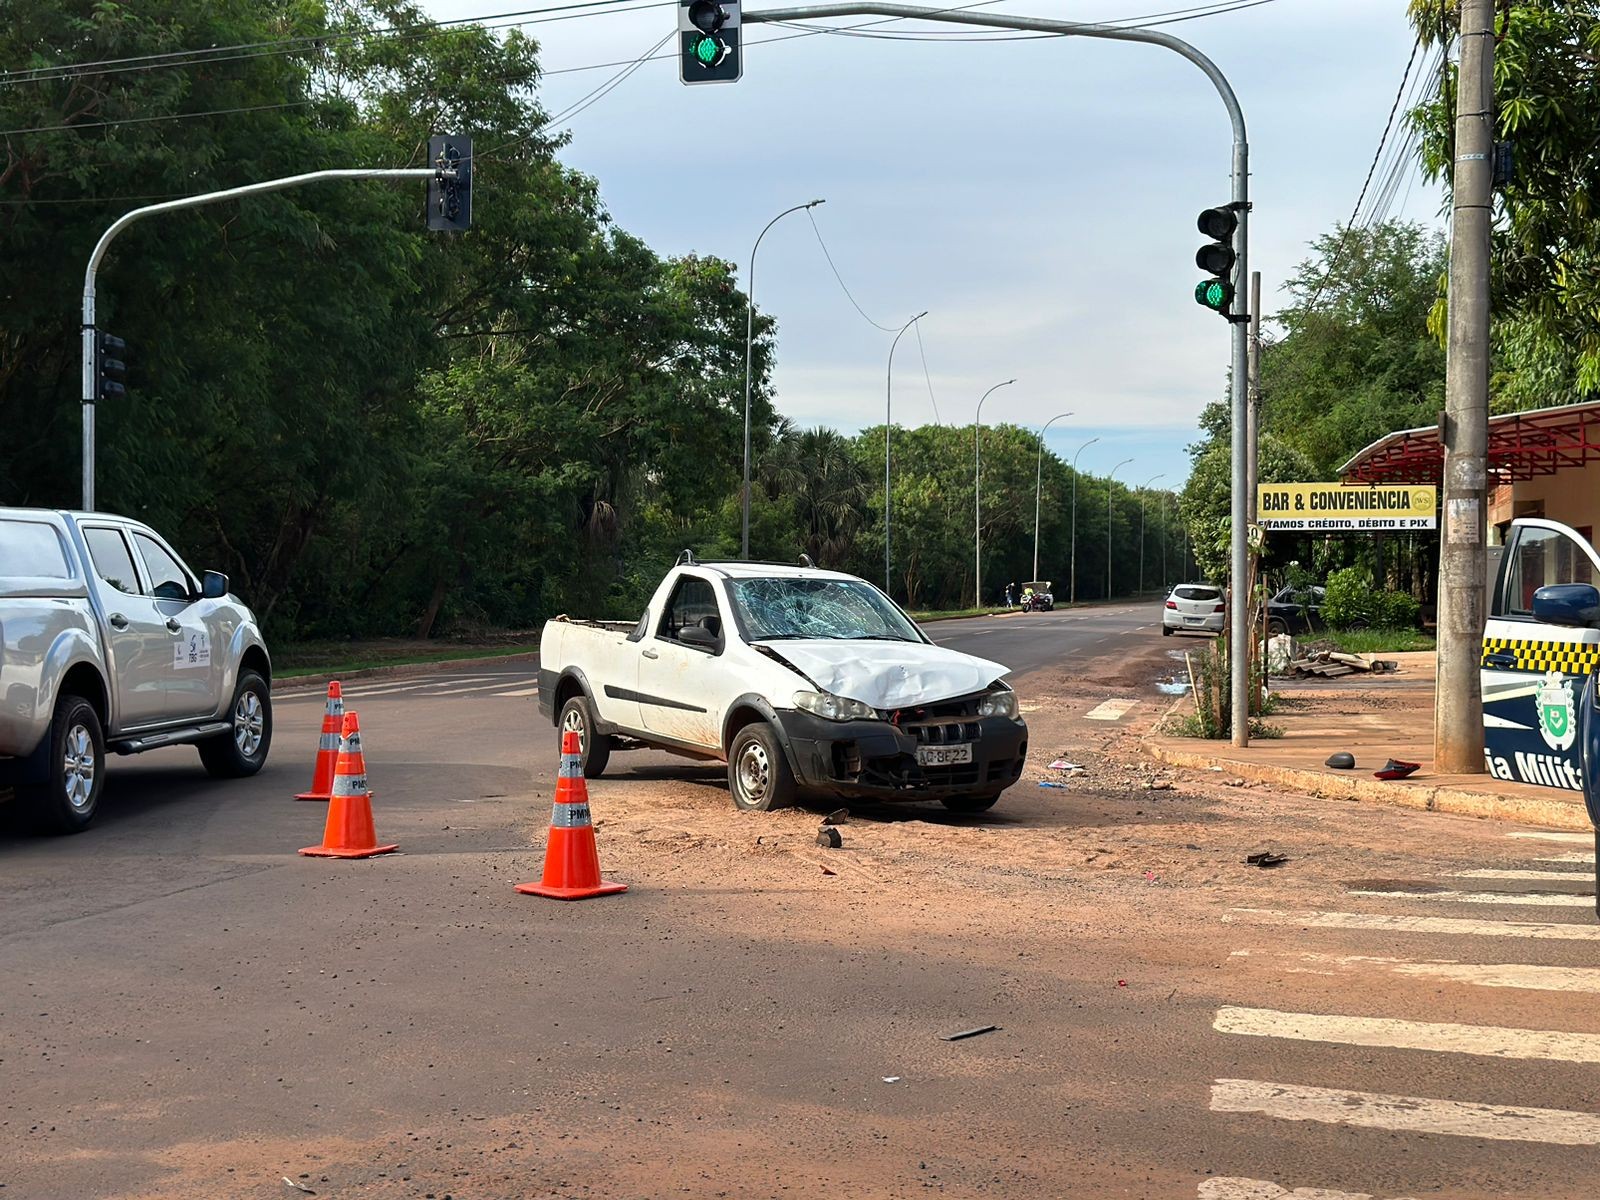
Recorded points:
1396,768
299,1187
1265,858
1051,783
1341,760
1331,664
1062,764
829,838
1158,785
891,1079
967,1033
838,816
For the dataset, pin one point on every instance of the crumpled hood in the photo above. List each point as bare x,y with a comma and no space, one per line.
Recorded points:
889,675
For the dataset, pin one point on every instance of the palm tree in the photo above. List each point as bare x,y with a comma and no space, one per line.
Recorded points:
817,469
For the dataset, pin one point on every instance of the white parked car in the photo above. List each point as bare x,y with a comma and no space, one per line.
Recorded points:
1194,608
799,679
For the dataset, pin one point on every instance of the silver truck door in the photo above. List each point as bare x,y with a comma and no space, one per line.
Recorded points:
678,683
1534,672
199,659
138,641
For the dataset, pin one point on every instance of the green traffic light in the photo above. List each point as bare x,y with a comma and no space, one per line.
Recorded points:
1213,293
707,49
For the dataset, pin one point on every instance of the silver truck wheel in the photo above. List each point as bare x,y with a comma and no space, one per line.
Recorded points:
67,799
594,749
243,749
759,778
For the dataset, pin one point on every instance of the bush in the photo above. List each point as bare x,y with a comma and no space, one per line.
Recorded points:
1352,601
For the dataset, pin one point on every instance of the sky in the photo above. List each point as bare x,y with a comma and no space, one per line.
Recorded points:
1037,197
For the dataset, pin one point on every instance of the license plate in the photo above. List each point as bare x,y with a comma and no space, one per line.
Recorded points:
944,756
1194,620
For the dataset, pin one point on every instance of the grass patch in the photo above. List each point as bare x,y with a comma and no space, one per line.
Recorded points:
946,614
338,658
1191,726
1373,641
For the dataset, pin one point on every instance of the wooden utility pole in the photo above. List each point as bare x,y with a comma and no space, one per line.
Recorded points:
1463,562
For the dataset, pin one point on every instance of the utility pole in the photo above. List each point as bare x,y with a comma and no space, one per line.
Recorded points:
1458,716
1111,499
1253,396
888,434
977,500
1072,597
1038,482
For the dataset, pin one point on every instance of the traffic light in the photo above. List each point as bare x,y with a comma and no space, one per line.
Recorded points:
450,196
110,367
1216,258
708,36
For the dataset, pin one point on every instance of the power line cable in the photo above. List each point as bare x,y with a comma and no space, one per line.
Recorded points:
215,112
925,375
840,278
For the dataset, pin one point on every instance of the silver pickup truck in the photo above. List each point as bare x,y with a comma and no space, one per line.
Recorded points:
108,641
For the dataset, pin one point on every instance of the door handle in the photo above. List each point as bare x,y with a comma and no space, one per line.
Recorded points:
172,624
117,621
1503,662
651,654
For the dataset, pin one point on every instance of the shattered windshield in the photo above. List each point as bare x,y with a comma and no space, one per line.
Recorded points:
844,609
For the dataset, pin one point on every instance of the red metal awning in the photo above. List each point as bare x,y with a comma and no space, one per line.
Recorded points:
1521,446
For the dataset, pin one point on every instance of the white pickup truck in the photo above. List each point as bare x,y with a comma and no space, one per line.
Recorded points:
108,641
799,679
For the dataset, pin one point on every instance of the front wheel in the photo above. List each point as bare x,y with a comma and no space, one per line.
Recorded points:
970,804
594,749
1276,626
242,751
66,801
759,779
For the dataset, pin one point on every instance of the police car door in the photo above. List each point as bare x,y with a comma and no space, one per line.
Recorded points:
1540,645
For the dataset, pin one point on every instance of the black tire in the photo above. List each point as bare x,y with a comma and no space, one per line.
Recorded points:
1277,625
970,804
242,751
66,801
594,749
1166,631
759,779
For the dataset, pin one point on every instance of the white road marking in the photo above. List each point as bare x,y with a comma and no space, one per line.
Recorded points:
473,689
1110,710
1490,873
1569,858
1541,899
1501,975
533,691
1265,1189
1405,1114
1439,1036
1582,839
1452,926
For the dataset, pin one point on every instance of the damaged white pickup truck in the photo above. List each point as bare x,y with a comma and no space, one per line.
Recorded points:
802,680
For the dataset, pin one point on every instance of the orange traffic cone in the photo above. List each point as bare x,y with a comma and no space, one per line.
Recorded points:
348,832
327,747
571,861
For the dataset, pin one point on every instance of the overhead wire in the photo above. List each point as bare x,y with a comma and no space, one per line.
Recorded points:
842,286
925,375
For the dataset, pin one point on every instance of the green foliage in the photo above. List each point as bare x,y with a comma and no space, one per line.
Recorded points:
1375,641
1353,601
1206,500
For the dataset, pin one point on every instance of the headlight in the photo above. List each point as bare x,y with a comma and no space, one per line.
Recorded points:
998,704
833,708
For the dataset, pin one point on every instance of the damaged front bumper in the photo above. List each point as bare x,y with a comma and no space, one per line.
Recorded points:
879,759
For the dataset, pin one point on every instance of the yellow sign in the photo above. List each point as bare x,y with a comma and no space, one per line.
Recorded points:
1347,508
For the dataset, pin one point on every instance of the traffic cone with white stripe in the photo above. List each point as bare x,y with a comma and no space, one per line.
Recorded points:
348,832
571,860
327,747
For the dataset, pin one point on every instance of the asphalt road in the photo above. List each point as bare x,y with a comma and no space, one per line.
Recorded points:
1031,641
189,1008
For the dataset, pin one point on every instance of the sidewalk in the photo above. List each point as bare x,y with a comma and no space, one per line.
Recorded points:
1380,718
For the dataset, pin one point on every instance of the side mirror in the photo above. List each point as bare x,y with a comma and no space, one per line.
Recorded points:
698,637
1576,604
213,585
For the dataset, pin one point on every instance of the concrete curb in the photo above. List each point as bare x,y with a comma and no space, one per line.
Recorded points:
295,683
1523,810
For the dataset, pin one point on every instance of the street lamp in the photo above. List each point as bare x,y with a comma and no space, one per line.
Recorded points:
1038,476
749,326
1111,496
1072,595
888,426
977,502
1143,498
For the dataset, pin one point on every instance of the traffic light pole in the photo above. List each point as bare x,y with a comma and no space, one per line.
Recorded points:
1238,604
129,217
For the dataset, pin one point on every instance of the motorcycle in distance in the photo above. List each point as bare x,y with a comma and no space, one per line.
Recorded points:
1037,596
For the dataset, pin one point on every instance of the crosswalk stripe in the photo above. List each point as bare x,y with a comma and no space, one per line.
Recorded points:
518,694
1569,858
1405,1114
1492,873
1390,1033
1452,926
1220,1188
1500,975
1583,839
1541,899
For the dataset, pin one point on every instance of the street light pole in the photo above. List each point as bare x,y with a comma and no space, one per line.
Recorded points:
1111,496
977,501
888,433
1143,500
1072,595
749,329
1038,479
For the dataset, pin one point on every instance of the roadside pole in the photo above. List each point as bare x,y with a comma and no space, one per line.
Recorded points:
1252,458
1463,561
1239,613
128,218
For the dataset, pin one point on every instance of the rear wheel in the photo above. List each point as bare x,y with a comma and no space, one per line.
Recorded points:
970,804
1277,625
594,749
66,801
242,751
759,778
1166,631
